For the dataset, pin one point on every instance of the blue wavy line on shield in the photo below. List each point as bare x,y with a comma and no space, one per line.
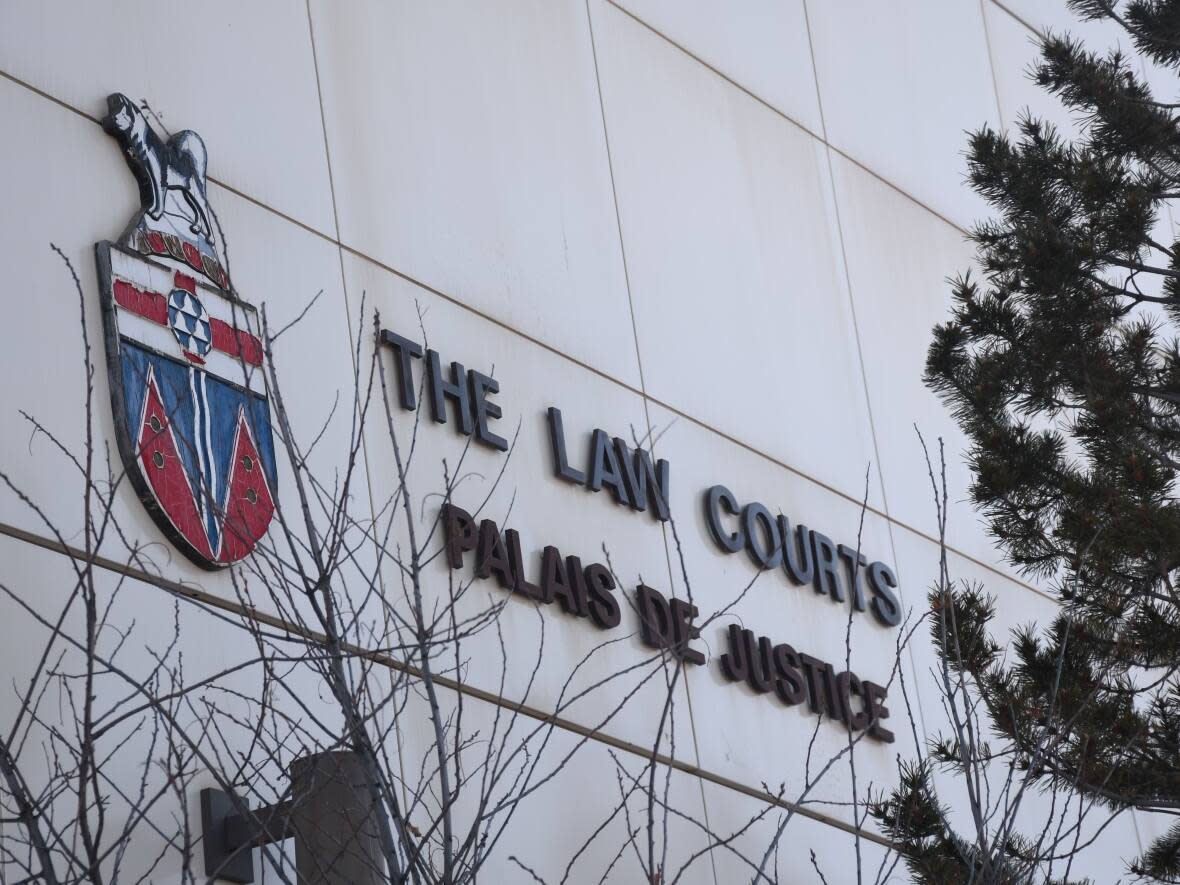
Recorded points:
198,390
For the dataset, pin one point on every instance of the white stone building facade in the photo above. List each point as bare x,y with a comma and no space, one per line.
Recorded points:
725,229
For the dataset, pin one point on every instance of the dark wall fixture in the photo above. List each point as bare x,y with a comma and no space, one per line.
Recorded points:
330,815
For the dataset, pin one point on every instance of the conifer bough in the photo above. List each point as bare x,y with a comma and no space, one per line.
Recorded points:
1060,363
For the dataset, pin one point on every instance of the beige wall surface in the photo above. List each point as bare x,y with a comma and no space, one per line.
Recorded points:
724,227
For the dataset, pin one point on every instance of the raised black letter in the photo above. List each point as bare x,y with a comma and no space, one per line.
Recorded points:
638,473
873,695
761,677
490,555
459,533
456,389
573,595
553,580
714,498
817,693
735,664
684,631
481,386
847,685
604,468
404,350
604,608
561,465
521,585
800,568
856,563
882,582
789,684
827,572
770,555
655,618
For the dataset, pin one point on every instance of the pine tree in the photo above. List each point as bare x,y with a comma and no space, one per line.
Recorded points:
1060,362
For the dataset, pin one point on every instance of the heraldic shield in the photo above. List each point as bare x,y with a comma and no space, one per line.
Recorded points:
184,356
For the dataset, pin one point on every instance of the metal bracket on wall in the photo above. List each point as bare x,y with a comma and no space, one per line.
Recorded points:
331,815
231,833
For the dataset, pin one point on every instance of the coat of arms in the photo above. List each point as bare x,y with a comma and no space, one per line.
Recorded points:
184,355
